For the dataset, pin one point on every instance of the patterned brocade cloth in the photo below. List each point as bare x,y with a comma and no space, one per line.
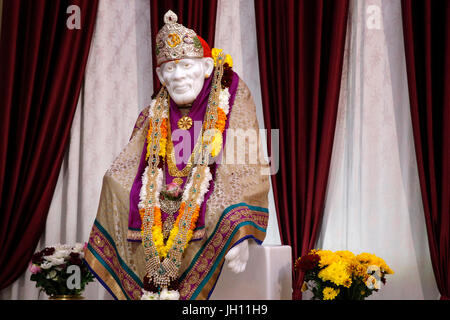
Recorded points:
235,211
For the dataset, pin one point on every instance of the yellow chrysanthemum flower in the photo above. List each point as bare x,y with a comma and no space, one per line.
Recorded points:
346,255
348,282
228,60
358,270
327,257
215,53
386,269
368,259
330,293
336,272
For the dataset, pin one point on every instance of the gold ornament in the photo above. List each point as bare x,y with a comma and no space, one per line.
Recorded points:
173,40
178,181
171,161
185,123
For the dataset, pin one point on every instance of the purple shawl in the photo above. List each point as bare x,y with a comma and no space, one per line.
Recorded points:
197,113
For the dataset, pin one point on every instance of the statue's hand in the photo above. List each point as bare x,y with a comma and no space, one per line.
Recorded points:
237,257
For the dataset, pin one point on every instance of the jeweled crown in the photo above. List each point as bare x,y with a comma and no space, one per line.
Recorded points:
174,41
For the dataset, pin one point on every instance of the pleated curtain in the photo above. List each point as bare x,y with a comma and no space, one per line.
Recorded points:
300,48
426,28
43,59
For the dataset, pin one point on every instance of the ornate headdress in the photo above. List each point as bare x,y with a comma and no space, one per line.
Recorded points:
174,41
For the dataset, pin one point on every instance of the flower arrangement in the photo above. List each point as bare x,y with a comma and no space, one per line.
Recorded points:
52,270
342,275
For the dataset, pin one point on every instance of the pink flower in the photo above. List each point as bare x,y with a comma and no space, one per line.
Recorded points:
85,246
173,189
35,269
172,186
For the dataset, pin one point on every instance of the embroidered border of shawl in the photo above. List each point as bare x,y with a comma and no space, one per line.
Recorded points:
237,223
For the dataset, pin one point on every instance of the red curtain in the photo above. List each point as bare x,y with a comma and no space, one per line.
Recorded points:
42,65
426,30
300,51
198,15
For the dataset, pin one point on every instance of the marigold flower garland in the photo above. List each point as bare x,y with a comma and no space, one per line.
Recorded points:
164,259
216,134
157,230
162,141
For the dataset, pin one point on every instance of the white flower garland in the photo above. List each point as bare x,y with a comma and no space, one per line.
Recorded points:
143,192
165,112
204,186
224,100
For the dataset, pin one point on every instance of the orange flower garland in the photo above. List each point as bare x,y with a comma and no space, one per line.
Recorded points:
162,141
216,140
221,120
157,233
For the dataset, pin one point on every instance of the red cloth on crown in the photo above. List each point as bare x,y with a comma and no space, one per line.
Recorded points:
206,48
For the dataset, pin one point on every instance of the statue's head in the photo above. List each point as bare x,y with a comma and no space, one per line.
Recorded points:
184,78
184,60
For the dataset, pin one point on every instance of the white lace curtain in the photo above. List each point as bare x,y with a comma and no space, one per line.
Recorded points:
373,199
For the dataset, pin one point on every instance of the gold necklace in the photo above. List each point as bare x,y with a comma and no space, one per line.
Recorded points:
171,161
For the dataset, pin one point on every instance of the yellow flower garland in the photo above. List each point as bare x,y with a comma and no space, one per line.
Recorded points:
157,231
217,140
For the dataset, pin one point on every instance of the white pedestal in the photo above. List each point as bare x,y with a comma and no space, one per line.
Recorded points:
268,276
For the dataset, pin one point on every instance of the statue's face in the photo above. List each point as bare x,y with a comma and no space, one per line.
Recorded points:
184,78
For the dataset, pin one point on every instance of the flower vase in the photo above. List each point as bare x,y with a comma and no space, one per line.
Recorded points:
66,297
